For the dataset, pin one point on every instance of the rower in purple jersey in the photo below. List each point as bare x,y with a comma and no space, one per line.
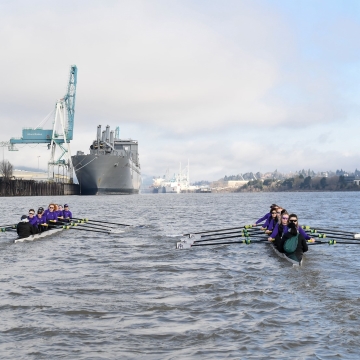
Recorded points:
66,212
60,212
41,220
271,221
282,229
32,218
266,216
50,213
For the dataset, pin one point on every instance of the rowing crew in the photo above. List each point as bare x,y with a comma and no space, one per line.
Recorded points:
33,224
281,226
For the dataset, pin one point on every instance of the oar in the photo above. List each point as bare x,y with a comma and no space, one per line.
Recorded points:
79,224
193,240
105,222
87,226
314,229
219,230
182,245
7,229
6,226
323,236
227,237
243,231
75,228
353,235
333,242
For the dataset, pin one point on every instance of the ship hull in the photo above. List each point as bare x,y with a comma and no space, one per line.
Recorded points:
106,174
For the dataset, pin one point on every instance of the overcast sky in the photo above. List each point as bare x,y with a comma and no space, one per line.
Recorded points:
233,86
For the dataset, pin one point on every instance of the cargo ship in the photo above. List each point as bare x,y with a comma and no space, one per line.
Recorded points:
112,167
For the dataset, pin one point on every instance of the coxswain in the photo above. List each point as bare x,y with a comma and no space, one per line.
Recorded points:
24,229
266,216
293,230
50,214
66,212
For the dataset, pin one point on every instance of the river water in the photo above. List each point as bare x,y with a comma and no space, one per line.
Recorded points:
84,295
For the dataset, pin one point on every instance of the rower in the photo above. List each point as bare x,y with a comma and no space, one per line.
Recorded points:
280,228
67,213
41,220
271,222
60,212
266,216
279,212
24,229
50,214
32,218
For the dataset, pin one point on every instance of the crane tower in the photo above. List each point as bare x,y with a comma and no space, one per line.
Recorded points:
59,137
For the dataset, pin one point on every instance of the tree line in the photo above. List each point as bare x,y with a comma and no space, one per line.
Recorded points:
6,169
300,182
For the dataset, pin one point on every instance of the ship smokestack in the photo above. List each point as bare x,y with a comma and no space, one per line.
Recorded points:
98,138
107,133
112,138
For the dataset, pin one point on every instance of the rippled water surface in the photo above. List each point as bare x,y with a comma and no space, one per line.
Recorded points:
85,295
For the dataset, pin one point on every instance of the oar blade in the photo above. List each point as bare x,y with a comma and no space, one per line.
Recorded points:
182,245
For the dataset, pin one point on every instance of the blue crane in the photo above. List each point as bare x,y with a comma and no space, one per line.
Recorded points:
60,134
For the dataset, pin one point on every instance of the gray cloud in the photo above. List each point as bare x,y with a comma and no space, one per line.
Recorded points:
175,74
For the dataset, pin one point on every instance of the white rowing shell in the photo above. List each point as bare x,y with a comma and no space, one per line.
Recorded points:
181,245
39,236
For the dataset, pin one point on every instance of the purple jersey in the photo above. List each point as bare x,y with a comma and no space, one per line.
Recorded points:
40,220
265,217
67,214
32,220
276,230
285,230
270,224
50,215
303,233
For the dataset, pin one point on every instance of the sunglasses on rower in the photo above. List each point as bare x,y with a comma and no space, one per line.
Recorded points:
293,220
285,217
31,213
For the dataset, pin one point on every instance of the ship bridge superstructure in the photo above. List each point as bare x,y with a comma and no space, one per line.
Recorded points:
108,144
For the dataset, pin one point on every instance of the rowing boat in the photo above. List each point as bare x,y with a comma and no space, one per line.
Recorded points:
39,236
293,258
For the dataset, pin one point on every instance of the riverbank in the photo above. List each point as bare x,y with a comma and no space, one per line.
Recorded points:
17,187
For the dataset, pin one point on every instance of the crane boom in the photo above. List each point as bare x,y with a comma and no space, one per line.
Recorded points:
70,102
62,132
